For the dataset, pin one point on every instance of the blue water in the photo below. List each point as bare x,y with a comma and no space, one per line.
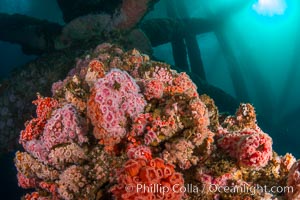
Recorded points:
264,45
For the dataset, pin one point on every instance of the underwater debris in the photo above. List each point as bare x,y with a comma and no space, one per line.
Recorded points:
122,126
85,21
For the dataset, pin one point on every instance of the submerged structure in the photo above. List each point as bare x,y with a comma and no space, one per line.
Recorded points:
121,126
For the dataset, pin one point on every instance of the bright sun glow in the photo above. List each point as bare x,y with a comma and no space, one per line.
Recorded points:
270,7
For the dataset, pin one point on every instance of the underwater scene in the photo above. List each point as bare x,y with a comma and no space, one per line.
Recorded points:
149,99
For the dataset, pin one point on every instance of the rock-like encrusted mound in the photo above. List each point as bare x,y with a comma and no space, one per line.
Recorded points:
122,126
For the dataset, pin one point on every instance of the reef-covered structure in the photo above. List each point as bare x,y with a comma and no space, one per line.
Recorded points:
121,126
88,23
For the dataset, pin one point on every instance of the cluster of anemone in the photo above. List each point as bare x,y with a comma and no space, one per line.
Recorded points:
18,92
120,120
139,180
115,98
251,148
